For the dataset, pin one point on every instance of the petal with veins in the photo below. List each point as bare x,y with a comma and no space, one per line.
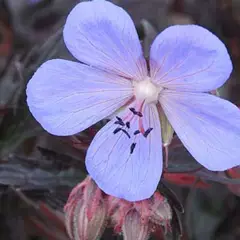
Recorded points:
67,97
118,172
208,126
189,58
103,35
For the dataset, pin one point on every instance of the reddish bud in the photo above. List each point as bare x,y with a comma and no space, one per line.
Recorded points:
137,219
161,210
133,228
88,209
85,212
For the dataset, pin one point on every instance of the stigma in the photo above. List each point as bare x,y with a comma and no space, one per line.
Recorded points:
146,90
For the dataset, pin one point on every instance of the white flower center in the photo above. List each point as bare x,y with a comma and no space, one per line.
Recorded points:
146,90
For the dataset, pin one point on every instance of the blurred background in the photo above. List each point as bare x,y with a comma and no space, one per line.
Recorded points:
38,170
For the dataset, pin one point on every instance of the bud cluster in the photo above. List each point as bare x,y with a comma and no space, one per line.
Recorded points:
88,212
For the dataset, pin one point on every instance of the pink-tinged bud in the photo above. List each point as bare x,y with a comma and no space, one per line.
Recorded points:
117,210
85,212
133,228
137,219
161,211
88,209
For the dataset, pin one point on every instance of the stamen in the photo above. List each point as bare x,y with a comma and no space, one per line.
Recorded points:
147,132
119,119
123,130
129,117
139,114
117,130
132,147
141,128
136,132
133,110
128,124
120,123
136,112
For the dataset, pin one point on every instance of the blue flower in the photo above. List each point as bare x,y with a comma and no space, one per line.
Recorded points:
186,62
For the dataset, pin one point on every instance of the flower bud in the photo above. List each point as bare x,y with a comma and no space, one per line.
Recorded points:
133,228
136,220
85,212
161,210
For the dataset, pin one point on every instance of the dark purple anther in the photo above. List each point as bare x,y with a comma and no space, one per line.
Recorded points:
120,123
132,147
136,132
126,132
147,132
117,130
133,110
139,114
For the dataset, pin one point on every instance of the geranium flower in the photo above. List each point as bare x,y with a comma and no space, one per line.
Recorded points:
186,62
